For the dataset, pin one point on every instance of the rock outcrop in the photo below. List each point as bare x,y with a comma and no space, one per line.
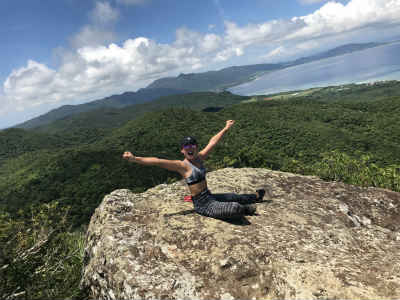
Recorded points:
310,240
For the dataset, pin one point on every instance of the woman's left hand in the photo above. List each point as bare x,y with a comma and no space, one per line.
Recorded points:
229,124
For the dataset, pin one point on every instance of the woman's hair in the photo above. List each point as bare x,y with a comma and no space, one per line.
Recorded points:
189,140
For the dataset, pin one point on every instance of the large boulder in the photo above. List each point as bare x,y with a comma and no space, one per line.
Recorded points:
310,240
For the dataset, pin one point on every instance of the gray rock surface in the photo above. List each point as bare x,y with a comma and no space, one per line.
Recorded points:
311,240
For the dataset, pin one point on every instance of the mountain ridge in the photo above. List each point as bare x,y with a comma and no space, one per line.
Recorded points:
341,50
114,101
214,80
186,83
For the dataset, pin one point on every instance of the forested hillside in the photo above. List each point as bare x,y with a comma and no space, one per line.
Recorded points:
108,118
114,101
53,184
87,127
267,134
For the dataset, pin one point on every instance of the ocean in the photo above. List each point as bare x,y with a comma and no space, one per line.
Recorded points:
369,65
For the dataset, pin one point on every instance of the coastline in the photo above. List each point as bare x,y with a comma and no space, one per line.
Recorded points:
349,68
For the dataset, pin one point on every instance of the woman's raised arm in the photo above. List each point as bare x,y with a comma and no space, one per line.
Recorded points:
215,139
172,165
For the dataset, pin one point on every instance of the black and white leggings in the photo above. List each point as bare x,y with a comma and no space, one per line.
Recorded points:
222,206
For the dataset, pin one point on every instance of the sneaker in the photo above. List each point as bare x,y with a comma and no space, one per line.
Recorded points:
261,193
250,209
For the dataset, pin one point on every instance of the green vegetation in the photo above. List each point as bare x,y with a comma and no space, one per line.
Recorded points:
89,127
98,121
16,142
359,170
343,93
49,190
41,257
115,101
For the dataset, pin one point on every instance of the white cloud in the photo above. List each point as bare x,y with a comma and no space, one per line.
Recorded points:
26,80
90,35
251,34
198,43
97,67
226,54
333,23
103,13
96,71
335,18
99,31
332,18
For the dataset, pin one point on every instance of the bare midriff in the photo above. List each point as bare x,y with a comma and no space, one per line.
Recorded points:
197,188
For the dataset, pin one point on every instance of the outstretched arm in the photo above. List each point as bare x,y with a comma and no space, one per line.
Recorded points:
215,139
172,165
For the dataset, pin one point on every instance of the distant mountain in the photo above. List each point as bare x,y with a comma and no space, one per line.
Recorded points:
186,83
104,118
115,101
349,48
214,80
229,77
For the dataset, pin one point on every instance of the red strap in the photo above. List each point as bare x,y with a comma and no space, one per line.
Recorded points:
187,198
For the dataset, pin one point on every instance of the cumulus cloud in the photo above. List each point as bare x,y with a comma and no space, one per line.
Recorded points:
331,22
97,67
100,30
95,71
90,35
26,80
334,17
197,43
103,13
251,34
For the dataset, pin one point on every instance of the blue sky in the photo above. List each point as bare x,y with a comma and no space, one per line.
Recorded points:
72,51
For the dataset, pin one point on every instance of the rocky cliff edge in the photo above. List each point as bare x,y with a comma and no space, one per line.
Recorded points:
310,240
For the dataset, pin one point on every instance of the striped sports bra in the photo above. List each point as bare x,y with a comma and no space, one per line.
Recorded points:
198,174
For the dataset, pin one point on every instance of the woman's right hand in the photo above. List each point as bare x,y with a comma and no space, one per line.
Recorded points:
229,124
128,156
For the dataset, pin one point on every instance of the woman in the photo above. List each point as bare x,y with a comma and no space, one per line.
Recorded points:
220,206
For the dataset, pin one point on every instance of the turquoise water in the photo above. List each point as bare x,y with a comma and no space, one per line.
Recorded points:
374,64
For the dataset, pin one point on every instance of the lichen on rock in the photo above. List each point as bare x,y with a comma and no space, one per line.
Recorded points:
310,239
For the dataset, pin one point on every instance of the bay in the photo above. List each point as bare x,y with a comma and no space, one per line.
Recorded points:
369,65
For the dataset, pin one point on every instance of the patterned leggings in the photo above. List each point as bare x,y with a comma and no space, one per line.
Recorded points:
222,206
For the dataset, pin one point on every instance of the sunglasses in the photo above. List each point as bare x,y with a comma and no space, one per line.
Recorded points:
190,146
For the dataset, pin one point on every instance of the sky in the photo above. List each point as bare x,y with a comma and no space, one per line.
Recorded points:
62,52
